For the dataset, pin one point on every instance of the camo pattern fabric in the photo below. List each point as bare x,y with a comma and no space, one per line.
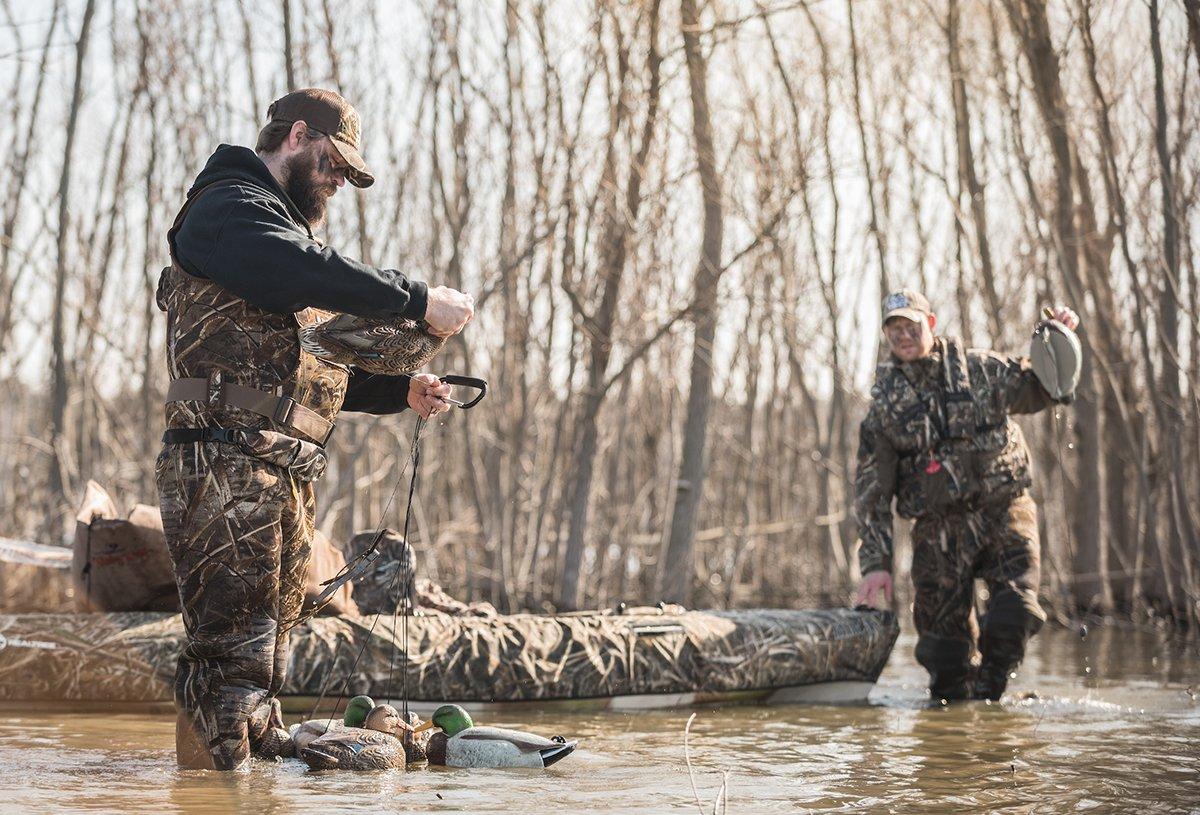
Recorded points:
998,544
238,529
937,437
521,657
213,332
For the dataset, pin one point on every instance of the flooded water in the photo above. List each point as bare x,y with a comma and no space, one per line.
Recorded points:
1114,727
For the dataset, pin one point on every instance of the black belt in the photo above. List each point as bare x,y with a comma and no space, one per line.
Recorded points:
191,435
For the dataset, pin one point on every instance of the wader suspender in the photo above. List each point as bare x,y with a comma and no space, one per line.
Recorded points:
958,402
958,420
283,410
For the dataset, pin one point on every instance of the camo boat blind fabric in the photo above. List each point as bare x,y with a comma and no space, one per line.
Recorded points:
130,657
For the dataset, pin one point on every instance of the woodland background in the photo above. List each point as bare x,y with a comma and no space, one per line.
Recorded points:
677,219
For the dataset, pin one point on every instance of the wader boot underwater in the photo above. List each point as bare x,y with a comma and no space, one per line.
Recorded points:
948,661
267,739
1012,618
1002,652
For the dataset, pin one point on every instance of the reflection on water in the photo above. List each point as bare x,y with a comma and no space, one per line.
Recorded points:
1114,727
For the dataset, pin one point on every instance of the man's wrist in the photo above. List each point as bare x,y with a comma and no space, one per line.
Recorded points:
406,388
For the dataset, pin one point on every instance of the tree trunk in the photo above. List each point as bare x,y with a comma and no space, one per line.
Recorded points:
1178,522
58,389
248,48
1192,7
885,280
1029,23
289,66
19,175
620,220
969,178
675,576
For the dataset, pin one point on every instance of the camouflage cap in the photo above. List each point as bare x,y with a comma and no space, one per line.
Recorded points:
906,303
327,112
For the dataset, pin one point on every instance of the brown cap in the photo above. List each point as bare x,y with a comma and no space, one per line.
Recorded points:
906,303
330,114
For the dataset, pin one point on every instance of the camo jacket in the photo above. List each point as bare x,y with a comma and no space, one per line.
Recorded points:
938,439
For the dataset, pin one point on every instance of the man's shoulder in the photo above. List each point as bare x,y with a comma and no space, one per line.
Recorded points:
235,173
222,198
226,192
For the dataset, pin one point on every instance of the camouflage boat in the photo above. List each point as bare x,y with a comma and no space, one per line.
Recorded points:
640,658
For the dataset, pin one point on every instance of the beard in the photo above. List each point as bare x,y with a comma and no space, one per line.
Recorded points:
305,188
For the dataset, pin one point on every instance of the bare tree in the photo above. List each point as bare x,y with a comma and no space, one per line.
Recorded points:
969,178
289,67
619,222
885,280
678,564
59,388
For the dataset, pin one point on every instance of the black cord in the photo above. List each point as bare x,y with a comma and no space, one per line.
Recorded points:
408,569
371,632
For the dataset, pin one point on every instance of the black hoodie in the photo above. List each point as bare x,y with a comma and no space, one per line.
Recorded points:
248,237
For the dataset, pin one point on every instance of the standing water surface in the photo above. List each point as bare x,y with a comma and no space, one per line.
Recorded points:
1114,727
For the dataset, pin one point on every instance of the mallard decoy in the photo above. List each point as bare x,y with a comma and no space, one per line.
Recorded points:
375,746
378,345
461,744
306,733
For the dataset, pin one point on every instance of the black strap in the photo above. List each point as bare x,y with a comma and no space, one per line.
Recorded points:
191,435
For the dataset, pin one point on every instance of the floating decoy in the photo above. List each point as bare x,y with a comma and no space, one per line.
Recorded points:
461,744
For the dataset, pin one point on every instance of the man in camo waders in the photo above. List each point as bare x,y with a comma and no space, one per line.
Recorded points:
249,410
938,438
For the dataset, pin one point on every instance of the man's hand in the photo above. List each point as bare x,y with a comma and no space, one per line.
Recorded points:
873,583
426,395
1066,316
448,310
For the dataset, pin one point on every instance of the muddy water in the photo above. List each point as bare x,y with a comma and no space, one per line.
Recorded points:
1114,727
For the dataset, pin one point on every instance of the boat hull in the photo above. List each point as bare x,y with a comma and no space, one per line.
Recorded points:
642,659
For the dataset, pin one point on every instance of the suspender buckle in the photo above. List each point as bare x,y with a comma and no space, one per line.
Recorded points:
283,410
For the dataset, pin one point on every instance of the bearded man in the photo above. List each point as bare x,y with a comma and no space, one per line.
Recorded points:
249,409
938,438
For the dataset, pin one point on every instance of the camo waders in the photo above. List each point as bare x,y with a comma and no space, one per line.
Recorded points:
248,412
